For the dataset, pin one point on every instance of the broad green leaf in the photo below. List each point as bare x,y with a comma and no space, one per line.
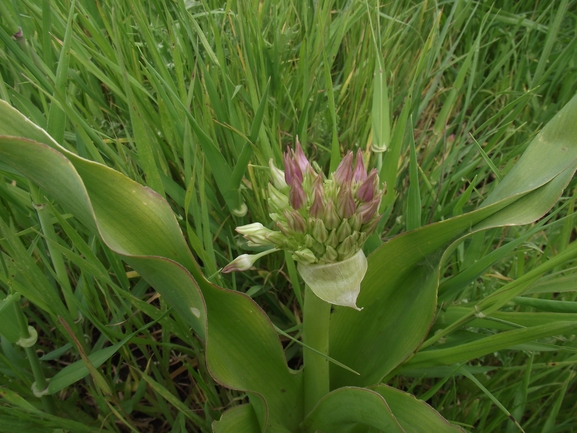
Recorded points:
346,406
239,419
243,350
400,288
414,416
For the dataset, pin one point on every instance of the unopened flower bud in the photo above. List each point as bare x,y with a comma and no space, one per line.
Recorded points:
245,261
368,210
305,255
297,196
277,200
277,176
331,218
346,248
360,173
319,231
344,172
332,240
331,255
344,231
367,190
292,174
301,159
346,206
295,221
317,209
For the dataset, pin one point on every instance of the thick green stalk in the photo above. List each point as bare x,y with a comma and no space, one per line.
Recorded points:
316,320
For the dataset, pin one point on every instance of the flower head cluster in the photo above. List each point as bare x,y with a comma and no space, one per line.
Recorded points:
320,220
323,221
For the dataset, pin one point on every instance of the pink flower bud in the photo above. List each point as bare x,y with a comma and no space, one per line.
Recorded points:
292,172
295,221
297,196
301,159
360,173
344,173
366,211
367,190
346,206
318,207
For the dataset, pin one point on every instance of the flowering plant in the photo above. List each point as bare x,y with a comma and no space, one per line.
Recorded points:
323,222
347,354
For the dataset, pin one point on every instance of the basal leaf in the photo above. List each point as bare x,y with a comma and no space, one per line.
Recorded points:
414,416
348,406
239,419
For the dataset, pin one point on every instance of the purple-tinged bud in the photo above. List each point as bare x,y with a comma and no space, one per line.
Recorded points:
242,263
245,261
371,226
277,176
301,159
331,218
320,233
344,231
346,206
368,210
295,221
305,255
317,209
344,173
283,227
367,190
292,172
297,196
360,173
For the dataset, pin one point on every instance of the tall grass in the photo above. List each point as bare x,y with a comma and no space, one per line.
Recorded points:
192,98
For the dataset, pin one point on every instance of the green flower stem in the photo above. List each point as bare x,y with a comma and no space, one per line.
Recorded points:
39,378
316,320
